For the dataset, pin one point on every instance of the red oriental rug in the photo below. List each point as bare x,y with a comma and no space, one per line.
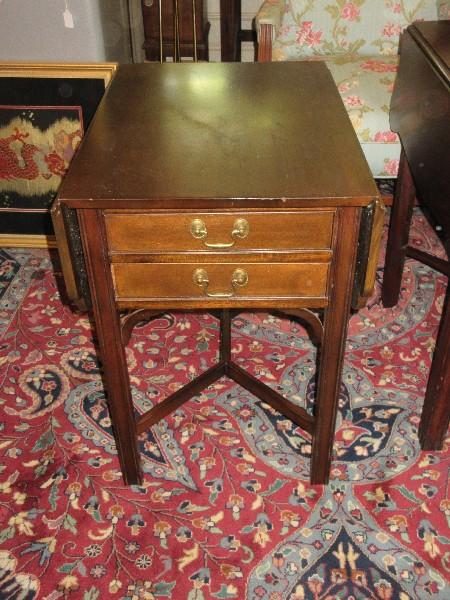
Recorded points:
225,510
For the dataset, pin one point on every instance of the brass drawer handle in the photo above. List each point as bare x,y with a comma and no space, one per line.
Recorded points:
199,231
239,278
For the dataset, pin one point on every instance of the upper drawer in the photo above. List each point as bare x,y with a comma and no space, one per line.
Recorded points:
219,231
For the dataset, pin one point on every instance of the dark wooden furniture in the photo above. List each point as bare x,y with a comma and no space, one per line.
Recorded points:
231,33
152,45
420,114
184,202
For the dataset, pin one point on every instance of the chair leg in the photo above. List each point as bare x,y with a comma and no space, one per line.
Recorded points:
398,234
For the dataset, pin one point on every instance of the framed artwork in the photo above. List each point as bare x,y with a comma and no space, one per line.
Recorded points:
44,111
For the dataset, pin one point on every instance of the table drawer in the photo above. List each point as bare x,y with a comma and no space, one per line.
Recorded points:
219,231
219,280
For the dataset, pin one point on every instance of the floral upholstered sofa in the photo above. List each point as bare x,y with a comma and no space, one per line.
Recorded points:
359,41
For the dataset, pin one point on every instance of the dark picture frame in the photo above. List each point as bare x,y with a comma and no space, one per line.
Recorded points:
45,109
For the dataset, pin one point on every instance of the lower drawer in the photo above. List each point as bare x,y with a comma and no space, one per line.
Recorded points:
225,280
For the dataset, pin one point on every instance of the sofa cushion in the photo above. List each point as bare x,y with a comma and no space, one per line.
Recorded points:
365,85
362,27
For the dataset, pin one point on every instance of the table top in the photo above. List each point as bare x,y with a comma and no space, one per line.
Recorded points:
420,114
436,35
223,131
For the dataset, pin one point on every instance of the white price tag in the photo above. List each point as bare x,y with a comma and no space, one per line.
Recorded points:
68,19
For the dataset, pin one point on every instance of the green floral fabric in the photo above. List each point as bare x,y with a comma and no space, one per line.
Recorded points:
365,85
359,41
359,27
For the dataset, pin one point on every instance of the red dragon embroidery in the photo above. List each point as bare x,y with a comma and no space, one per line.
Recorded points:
10,164
22,164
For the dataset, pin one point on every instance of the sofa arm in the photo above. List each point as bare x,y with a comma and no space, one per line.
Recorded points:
268,21
444,10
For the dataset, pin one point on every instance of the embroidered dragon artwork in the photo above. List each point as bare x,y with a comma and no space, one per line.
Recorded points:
32,160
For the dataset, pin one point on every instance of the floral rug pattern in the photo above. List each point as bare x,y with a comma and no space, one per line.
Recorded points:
226,509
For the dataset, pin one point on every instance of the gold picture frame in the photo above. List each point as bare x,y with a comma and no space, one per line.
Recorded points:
40,88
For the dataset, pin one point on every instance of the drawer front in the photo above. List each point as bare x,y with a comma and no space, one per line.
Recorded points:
237,231
147,281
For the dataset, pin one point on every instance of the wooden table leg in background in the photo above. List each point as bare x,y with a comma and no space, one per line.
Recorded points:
401,216
333,346
112,352
436,408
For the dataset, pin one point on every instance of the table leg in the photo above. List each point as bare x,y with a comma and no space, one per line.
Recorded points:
333,346
436,408
225,337
112,351
397,243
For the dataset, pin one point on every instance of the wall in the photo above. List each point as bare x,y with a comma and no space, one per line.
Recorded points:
35,30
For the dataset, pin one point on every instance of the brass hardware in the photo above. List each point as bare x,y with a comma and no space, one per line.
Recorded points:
176,28
194,30
240,228
239,278
161,52
199,231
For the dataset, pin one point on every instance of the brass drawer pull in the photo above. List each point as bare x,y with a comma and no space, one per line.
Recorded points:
199,231
238,279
